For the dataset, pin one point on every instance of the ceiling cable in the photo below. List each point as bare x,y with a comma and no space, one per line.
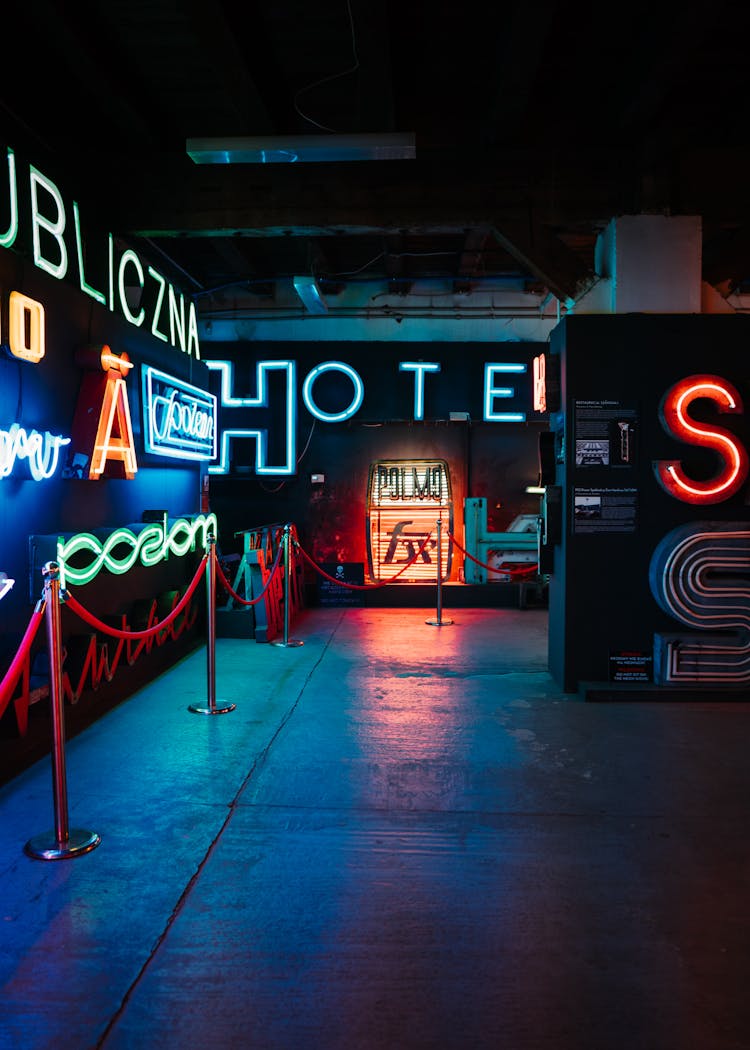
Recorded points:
333,76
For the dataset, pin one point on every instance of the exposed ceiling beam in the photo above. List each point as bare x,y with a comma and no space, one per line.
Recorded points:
535,248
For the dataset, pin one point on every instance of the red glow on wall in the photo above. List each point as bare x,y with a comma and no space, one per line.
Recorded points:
676,420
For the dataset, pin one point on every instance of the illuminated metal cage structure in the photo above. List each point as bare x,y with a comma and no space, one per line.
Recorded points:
405,500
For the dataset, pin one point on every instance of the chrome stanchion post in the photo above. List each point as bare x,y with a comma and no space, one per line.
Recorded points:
286,640
438,621
214,706
63,842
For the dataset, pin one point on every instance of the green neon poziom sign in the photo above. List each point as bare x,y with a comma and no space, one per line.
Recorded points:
82,557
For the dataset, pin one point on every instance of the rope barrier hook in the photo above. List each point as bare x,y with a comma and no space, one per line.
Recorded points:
63,842
214,706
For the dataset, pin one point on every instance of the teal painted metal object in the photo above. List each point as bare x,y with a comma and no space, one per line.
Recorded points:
519,545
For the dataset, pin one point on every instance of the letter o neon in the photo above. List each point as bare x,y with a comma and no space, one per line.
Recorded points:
354,404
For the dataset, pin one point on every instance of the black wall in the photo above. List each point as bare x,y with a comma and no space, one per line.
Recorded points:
600,600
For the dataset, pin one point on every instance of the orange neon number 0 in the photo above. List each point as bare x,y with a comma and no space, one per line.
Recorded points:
26,328
675,418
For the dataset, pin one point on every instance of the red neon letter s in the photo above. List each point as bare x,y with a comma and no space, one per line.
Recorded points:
676,421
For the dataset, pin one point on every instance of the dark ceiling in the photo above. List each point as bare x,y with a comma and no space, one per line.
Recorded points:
535,125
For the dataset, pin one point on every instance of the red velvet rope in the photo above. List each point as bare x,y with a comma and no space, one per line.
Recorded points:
115,632
363,586
15,670
249,601
530,571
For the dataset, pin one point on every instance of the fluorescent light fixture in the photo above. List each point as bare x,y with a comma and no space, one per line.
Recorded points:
290,149
308,290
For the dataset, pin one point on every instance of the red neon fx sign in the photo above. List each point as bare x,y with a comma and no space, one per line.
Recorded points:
674,414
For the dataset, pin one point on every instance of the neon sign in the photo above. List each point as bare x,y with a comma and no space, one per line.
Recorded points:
492,392
419,369
675,418
351,408
179,419
122,548
260,400
405,499
698,575
97,663
49,221
395,481
698,572
26,327
41,451
108,437
540,383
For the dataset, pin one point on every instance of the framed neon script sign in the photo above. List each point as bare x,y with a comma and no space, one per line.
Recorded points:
405,500
179,420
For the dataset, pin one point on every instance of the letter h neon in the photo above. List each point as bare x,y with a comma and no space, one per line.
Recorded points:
260,434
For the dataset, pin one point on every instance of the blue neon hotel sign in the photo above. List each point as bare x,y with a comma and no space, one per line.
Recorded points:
502,382
179,420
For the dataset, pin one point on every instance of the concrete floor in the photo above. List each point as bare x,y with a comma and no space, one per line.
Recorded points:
404,836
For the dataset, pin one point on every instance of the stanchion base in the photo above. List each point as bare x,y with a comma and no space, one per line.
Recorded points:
290,642
47,847
221,707
439,623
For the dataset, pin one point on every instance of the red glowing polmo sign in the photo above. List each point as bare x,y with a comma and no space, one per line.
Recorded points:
675,417
405,498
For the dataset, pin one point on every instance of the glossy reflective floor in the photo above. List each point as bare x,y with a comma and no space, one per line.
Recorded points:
404,836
